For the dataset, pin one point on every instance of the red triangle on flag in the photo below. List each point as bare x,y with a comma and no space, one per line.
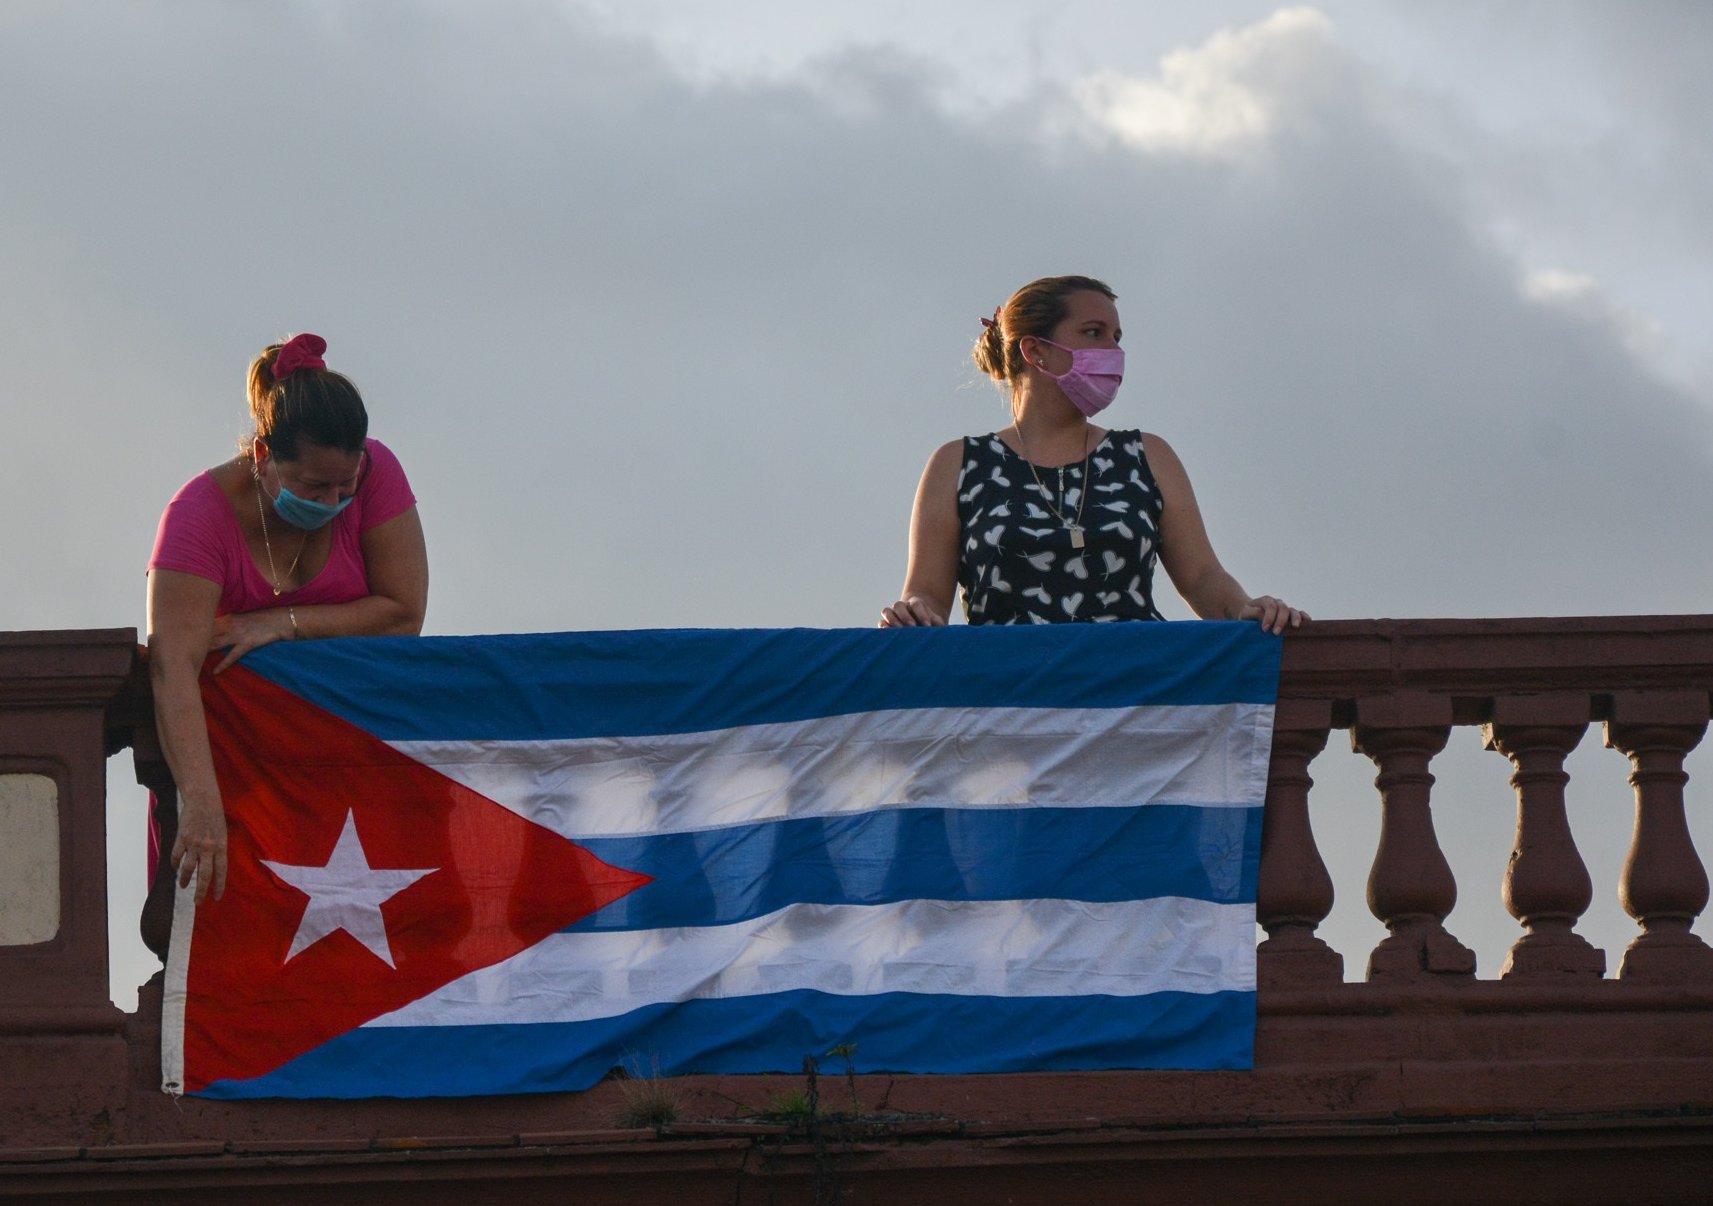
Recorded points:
291,774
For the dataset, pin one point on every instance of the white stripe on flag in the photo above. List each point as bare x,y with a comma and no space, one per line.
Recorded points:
1214,755
1012,948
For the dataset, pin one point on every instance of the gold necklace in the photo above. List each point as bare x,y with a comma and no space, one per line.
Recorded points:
1074,527
262,514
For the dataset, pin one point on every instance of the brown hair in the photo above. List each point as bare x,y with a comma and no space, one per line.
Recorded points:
317,405
1035,309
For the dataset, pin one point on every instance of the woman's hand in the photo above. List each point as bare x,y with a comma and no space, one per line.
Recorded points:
249,630
200,848
913,612
1275,614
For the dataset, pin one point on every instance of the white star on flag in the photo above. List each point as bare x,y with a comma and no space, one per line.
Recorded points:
346,894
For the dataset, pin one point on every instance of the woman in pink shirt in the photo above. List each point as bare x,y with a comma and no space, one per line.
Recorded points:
310,531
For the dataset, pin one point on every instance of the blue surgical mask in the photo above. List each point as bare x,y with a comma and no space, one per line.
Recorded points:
306,513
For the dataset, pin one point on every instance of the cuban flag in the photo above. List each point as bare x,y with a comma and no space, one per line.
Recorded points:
507,864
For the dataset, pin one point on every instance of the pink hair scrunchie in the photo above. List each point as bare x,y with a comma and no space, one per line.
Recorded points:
299,352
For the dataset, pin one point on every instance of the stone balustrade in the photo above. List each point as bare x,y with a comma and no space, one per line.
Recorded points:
1585,1078
1534,687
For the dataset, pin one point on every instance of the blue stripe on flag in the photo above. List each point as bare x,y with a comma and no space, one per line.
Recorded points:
536,687
894,1032
718,876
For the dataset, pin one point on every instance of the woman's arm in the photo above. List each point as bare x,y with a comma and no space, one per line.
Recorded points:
1188,555
181,619
395,556
931,578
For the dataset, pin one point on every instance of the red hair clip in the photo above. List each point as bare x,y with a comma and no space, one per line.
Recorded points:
990,323
299,352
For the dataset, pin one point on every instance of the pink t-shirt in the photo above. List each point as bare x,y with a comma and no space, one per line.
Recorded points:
200,535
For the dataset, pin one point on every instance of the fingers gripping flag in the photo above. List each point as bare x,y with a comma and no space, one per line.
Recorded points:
509,864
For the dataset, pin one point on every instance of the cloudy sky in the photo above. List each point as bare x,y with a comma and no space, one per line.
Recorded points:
663,303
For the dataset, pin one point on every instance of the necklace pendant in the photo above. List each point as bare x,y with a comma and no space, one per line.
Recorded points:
1076,535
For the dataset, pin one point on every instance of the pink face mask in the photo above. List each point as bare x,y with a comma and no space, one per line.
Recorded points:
1092,381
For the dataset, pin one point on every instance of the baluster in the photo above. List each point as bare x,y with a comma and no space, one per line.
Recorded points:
1411,888
1295,892
1664,885
1546,882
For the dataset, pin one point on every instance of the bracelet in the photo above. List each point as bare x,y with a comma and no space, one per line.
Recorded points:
295,631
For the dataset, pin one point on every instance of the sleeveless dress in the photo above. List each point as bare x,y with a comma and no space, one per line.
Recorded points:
1019,562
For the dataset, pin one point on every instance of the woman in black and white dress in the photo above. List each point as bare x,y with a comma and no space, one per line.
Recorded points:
1054,519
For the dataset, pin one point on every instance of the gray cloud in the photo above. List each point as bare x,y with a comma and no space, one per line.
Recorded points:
670,352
